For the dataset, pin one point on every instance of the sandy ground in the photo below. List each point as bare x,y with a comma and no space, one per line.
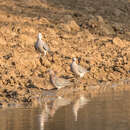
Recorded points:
97,32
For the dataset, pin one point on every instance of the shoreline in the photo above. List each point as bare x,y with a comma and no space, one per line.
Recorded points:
98,37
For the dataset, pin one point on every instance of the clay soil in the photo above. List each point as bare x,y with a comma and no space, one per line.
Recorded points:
97,32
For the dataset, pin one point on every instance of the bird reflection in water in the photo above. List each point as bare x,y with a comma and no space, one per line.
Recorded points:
51,105
79,104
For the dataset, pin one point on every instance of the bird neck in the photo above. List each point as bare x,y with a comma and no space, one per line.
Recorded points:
74,62
39,38
52,76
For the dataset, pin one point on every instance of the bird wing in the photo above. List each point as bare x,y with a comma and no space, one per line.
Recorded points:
81,69
63,82
45,46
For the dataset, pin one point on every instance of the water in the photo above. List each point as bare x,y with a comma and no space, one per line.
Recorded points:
106,111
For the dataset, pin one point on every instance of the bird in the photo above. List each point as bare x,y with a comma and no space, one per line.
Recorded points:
78,69
59,82
41,46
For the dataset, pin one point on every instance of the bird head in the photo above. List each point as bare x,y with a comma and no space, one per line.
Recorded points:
74,59
39,36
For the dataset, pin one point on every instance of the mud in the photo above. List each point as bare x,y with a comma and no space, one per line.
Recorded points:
96,32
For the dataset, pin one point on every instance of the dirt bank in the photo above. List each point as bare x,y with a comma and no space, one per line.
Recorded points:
96,32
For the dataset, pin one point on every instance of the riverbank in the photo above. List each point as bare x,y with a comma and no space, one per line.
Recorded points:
96,32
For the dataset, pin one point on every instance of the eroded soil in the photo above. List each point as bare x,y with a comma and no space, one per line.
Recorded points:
96,32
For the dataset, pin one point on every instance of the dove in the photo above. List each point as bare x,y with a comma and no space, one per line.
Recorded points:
41,46
58,82
78,69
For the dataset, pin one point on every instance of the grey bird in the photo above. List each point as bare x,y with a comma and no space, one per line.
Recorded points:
59,82
41,46
78,69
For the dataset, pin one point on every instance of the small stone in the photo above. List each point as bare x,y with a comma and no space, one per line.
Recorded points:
8,56
100,19
68,24
67,18
107,29
117,41
117,12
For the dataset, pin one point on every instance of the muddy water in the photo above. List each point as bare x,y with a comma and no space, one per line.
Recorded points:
109,111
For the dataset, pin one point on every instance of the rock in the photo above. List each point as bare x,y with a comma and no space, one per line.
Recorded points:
98,25
65,27
117,41
73,25
117,27
117,12
100,19
68,24
8,56
107,29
